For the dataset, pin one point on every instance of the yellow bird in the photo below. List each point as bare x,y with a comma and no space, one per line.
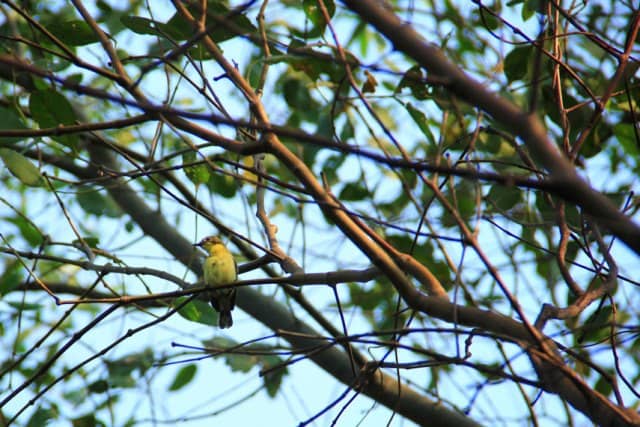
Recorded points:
220,269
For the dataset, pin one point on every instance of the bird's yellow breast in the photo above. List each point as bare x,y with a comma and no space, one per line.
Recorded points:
219,267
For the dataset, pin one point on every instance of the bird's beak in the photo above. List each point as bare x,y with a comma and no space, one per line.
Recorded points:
196,244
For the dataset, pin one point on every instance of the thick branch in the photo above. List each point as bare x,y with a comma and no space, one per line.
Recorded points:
527,126
557,377
276,316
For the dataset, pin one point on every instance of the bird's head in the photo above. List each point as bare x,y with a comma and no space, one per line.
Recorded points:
208,242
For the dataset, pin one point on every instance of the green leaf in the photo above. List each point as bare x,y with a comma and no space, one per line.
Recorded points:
517,62
178,28
198,174
324,128
578,117
95,203
421,120
104,6
197,311
23,306
73,33
273,378
597,326
488,20
492,372
245,362
495,145
331,166
183,377
121,370
504,197
603,385
29,232
92,242
77,396
241,362
99,386
529,8
189,311
223,184
465,202
141,25
367,299
316,16
402,242
237,362
414,79
348,131
50,109
42,416
88,420
544,209
409,177
10,120
296,93
626,136
353,191
573,217
313,62
219,33
596,140
21,168
12,275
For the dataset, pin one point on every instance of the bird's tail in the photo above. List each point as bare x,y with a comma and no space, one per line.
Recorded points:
225,320
223,302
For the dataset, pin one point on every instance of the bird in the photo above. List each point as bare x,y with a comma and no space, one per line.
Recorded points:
220,269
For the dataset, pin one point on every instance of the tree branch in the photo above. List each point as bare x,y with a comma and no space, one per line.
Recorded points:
527,126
